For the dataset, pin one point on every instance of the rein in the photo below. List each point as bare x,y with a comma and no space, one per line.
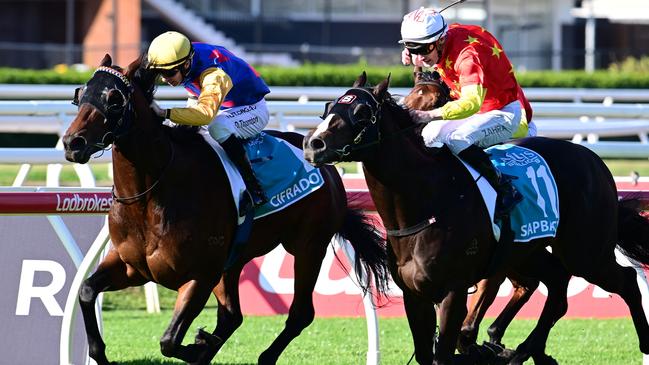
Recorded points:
403,232
122,126
136,197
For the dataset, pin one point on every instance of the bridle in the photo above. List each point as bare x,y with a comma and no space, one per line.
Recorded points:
119,116
433,78
375,106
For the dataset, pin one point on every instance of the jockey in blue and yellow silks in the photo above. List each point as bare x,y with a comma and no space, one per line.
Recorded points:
226,95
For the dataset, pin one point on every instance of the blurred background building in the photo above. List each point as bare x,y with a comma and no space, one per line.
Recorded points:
537,34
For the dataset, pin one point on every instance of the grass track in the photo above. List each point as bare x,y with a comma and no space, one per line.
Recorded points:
132,338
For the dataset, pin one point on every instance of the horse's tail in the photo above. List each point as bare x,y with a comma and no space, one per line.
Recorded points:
371,251
633,231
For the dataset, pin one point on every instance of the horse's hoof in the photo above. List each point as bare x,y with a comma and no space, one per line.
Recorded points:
464,359
207,346
466,341
518,359
544,359
208,339
265,359
506,355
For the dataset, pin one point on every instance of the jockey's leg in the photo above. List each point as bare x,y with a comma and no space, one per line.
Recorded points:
467,137
230,127
233,146
508,196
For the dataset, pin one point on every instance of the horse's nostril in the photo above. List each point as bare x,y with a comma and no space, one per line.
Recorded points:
317,144
77,143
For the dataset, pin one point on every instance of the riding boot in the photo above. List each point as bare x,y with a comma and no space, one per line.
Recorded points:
233,146
508,196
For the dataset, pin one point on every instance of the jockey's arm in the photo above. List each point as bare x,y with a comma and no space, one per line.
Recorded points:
469,103
215,84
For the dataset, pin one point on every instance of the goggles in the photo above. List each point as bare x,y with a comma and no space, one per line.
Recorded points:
169,73
420,48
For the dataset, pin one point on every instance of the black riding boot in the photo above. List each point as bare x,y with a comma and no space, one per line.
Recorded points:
233,146
508,196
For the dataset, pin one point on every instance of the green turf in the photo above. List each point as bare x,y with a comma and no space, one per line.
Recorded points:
37,175
132,338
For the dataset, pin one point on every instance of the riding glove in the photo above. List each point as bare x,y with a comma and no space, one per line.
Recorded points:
162,113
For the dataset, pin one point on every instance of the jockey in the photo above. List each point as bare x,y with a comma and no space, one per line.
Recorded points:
490,106
225,93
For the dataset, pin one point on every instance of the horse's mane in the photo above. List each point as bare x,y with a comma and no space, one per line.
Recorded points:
400,113
145,79
401,116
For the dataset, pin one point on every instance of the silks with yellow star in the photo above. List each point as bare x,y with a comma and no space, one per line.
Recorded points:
475,67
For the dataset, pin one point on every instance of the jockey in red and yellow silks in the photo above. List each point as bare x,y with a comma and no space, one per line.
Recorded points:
226,96
489,107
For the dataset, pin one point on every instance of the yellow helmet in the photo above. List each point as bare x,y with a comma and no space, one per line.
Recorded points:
169,50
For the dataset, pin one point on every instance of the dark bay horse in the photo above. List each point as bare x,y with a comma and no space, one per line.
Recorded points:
173,219
428,93
439,230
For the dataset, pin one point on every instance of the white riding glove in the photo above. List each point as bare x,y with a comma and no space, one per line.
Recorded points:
432,133
425,116
162,113
405,57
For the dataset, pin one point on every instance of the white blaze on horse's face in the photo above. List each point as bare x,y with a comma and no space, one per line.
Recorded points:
322,127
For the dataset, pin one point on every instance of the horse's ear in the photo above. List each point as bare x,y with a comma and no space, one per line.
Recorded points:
106,61
361,80
133,67
382,87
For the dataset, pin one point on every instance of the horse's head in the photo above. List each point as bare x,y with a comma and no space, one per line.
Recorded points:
351,124
430,92
106,110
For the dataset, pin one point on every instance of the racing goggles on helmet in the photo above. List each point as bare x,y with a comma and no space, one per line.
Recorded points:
169,73
420,48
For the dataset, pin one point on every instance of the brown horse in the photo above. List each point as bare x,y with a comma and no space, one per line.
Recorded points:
429,93
173,220
440,233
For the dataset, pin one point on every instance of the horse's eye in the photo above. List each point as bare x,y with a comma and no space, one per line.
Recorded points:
115,98
362,112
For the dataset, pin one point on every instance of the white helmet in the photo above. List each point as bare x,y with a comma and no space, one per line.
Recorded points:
423,25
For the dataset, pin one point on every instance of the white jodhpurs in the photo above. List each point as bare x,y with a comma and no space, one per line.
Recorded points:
243,121
483,130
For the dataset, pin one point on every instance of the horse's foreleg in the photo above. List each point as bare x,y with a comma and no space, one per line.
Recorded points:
229,316
112,274
191,299
452,312
422,321
480,302
300,315
523,289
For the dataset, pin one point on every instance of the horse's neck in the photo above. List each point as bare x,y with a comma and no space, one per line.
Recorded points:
139,160
403,183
